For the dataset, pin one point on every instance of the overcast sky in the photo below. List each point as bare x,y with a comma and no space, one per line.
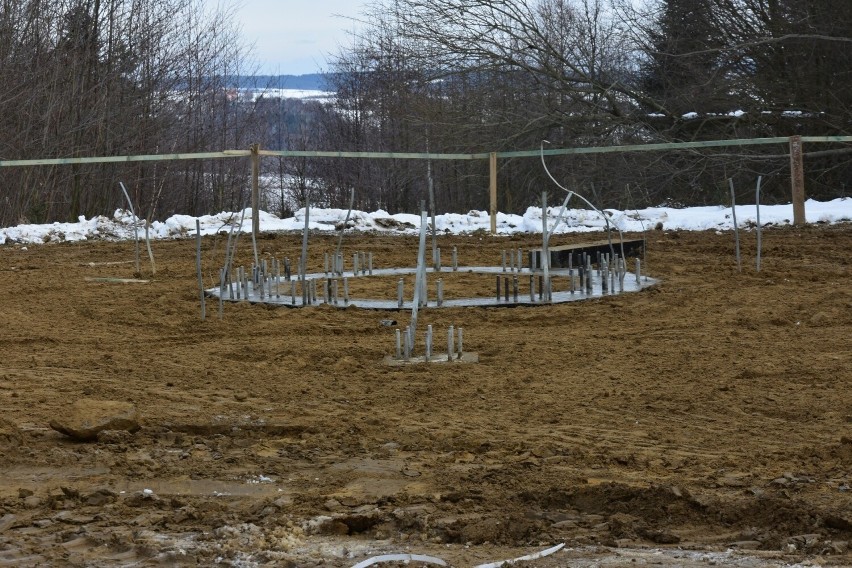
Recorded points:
294,37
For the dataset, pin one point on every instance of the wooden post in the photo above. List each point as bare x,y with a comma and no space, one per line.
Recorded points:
255,189
493,191
797,176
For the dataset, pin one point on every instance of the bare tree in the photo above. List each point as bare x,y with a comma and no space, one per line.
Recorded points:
117,77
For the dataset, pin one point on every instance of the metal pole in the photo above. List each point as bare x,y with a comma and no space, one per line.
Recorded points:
255,192
757,213
304,259
736,227
545,251
406,349
420,280
492,190
198,267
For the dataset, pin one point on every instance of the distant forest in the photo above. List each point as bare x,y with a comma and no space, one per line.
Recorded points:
120,77
308,82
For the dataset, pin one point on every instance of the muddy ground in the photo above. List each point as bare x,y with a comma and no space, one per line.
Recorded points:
707,420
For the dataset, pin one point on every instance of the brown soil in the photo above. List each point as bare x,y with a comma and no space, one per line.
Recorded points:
710,412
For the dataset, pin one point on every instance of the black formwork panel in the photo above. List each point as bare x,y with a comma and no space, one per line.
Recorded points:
561,255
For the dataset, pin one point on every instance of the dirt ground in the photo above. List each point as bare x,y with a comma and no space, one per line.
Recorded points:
706,420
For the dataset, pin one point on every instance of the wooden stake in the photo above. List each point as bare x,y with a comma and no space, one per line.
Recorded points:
797,178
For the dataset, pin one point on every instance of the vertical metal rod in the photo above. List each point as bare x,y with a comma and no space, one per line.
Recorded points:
461,342
221,292
197,266
334,291
505,287
355,263
326,291
541,289
428,355
571,279
590,284
450,343
455,259
420,279
136,226
399,290
277,279
398,354
638,271
407,344
545,250
498,288
303,262
440,292
438,259
736,227
345,290
504,260
757,212
292,292
532,288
